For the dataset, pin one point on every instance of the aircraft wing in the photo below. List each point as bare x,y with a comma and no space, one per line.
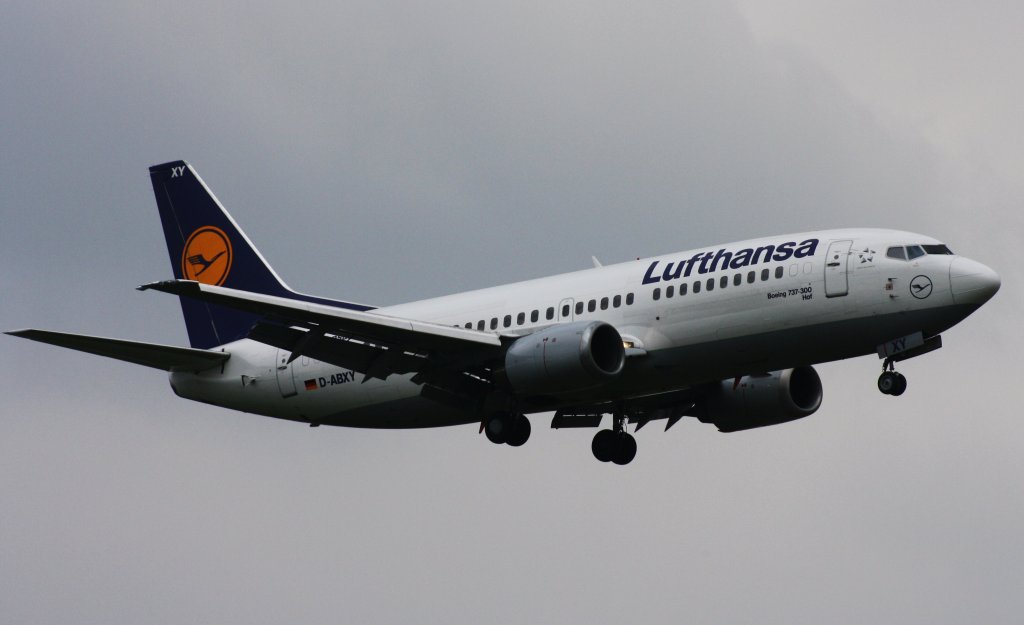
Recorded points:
373,344
164,357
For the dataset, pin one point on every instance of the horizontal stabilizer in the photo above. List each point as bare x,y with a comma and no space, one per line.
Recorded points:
166,357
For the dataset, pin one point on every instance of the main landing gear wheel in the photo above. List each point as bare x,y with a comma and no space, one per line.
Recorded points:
626,450
496,428
520,432
615,445
508,428
891,382
603,445
612,446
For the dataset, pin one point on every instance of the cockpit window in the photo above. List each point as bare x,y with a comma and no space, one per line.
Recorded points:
896,252
911,252
937,249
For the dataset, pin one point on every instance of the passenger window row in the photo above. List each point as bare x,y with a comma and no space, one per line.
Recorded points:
604,303
723,282
616,301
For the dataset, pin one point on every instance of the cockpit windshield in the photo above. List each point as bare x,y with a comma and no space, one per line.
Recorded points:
910,252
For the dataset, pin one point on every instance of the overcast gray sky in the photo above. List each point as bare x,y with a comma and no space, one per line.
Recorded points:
382,152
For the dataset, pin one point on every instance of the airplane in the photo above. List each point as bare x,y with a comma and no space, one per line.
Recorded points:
727,334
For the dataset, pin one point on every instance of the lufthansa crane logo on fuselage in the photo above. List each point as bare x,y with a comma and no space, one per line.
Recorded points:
921,287
207,256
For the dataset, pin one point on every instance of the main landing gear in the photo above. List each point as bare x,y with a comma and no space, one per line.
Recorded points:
890,382
615,445
507,427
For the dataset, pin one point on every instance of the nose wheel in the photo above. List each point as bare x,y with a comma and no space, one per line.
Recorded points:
891,382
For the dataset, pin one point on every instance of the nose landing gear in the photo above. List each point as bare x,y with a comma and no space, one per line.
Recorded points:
891,382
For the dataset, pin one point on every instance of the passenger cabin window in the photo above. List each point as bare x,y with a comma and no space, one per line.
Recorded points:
520,319
751,276
565,310
696,286
616,301
657,294
724,282
914,251
737,279
629,299
670,291
682,289
550,314
764,274
508,320
481,325
494,323
779,272
579,308
469,325
534,316
710,286
604,303
592,305
896,252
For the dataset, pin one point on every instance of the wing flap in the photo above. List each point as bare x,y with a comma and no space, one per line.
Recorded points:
370,360
166,357
671,406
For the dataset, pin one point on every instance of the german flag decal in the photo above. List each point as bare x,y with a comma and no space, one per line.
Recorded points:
310,385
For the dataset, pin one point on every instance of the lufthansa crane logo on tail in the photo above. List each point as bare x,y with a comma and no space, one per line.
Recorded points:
207,256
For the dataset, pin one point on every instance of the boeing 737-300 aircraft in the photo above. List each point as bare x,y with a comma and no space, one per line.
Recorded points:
726,334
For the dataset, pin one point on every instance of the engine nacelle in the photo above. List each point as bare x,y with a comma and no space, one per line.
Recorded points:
760,400
565,358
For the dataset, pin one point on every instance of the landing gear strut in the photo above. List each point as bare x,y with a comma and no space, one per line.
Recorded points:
890,382
615,445
507,427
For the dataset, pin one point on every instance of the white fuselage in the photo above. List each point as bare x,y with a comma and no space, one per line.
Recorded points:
748,307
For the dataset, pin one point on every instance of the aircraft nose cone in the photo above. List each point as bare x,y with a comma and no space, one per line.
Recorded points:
972,282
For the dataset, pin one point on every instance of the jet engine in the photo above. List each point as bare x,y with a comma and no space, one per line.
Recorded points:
565,358
755,401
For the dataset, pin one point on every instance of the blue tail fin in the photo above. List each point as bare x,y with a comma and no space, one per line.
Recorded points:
207,245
